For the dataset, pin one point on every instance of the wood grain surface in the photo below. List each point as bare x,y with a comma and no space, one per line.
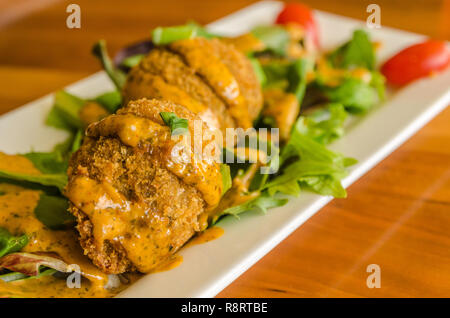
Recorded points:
396,216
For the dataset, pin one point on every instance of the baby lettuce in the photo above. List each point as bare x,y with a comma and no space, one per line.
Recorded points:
48,162
289,76
111,101
52,212
325,125
132,60
10,243
296,75
66,109
178,126
57,180
63,115
65,149
358,52
77,141
356,95
274,37
259,72
167,35
261,203
52,165
378,82
65,112
305,163
308,164
276,74
116,75
226,177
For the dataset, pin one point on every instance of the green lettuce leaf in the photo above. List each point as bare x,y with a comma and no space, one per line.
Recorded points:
177,125
48,162
10,243
308,164
58,180
274,37
56,118
313,174
117,76
358,52
64,150
111,101
290,77
52,212
65,111
52,166
324,185
378,82
354,94
325,125
77,141
276,73
133,60
69,106
261,203
259,72
297,78
226,177
167,35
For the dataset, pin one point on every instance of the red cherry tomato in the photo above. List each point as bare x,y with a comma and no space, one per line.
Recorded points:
301,14
416,61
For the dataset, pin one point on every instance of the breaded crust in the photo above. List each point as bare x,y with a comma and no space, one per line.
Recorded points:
206,78
164,75
140,177
215,60
242,70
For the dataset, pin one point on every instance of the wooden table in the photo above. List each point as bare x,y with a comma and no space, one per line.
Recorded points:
396,216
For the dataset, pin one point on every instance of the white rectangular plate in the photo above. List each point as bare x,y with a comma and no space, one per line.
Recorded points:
210,267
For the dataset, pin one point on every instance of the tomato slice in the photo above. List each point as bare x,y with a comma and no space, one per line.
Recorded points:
301,14
416,61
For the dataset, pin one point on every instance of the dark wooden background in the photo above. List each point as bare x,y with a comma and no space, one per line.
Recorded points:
396,216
